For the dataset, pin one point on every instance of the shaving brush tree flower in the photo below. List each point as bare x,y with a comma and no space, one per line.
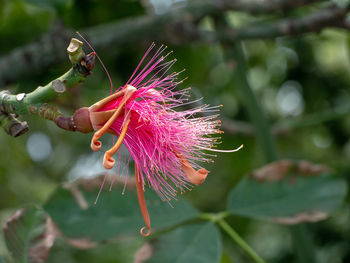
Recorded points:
165,143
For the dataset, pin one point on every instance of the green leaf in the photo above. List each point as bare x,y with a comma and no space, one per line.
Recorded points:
29,235
198,243
117,251
290,200
115,214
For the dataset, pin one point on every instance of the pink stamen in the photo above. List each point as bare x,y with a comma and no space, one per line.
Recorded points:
98,57
101,187
166,145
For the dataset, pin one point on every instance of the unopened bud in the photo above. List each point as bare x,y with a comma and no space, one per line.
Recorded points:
81,119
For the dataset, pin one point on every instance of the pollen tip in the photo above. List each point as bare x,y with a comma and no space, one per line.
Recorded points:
95,145
108,162
131,88
142,231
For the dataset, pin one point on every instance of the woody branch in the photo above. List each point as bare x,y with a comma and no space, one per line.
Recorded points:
176,26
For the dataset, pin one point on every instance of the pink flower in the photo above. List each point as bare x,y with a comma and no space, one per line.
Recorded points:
167,144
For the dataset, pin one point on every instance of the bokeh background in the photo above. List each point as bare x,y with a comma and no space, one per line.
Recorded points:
280,69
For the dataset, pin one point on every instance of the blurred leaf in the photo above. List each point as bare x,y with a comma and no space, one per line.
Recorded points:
51,3
1,260
225,258
22,21
117,251
288,194
276,171
143,253
193,243
29,235
115,214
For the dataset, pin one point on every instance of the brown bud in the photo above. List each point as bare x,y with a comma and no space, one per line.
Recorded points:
81,119
65,123
88,61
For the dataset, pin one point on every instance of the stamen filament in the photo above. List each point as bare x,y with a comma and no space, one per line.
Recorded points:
221,151
108,161
103,65
101,187
142,203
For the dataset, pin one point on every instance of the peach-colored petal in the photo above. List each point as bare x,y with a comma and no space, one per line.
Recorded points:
108,161
95,144
100,117
195,177
102,102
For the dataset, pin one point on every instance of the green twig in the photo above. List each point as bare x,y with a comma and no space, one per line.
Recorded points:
219,219
12,125
36,102
234,235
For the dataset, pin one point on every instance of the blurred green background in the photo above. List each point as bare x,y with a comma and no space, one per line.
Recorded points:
296,66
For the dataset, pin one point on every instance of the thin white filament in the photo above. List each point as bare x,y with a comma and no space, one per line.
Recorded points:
221,151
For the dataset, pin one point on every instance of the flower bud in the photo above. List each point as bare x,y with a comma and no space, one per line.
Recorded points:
81,119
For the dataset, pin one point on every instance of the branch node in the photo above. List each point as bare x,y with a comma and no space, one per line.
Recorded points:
13,126
49,112
4,93
20,96
75,50
18,128
58,86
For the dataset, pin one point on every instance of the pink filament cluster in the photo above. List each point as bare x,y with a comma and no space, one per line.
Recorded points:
159,135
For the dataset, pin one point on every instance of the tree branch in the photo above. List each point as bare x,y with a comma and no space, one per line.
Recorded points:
13,126
36,102
287,125
176,26
332,16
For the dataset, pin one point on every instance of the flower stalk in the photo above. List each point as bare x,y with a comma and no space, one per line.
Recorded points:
240,241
